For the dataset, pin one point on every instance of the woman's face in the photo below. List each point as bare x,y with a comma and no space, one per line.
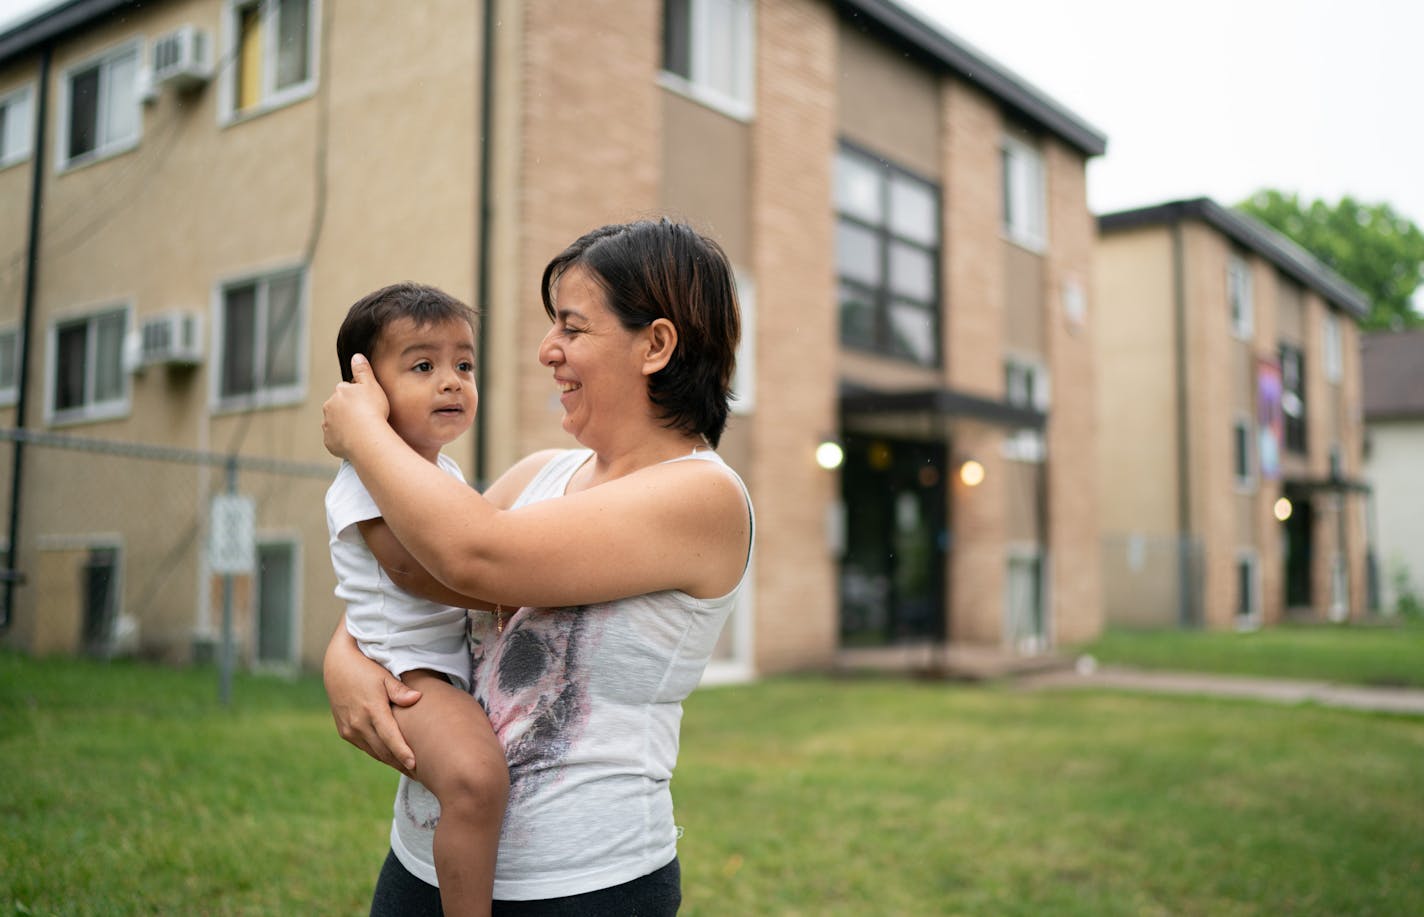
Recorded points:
597,363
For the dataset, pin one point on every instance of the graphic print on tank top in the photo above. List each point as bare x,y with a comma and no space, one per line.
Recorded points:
533,681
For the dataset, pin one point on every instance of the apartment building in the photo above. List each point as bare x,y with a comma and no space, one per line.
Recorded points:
1231,432
207,184
1393,373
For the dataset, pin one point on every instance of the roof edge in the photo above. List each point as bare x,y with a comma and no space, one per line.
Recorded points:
51,21
973,65
1250,233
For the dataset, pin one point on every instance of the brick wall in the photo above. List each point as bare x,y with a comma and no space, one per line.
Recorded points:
793,138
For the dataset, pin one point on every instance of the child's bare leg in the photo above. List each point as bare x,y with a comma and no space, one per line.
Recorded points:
458,758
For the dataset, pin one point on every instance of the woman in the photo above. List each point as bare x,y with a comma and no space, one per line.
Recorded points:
623,560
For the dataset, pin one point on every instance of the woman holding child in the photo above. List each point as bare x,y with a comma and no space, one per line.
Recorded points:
608,571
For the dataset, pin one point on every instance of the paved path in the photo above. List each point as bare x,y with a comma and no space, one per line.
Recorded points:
1276,690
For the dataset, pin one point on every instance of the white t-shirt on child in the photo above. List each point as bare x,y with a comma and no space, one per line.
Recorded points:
393,627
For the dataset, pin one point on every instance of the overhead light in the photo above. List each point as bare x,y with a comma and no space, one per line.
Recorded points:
830,455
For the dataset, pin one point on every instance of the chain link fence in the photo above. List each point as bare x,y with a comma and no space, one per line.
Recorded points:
115,552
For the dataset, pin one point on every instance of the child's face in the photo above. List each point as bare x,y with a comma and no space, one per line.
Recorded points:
428,374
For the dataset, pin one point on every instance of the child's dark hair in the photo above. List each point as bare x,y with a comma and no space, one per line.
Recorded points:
370,315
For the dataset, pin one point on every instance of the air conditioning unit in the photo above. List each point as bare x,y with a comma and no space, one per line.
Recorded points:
174,338
183,58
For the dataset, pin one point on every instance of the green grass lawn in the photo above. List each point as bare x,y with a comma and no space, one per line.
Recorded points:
129,790
1368,654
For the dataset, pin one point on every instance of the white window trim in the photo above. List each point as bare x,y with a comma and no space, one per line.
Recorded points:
1332,346
1243,424
1019,227
743,399
272,99
742,109
276,397
104,150
1028,551
10,394
292,540
26,150
107,410
1252,617
1238,278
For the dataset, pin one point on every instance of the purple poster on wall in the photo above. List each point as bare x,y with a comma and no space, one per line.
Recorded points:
1270,419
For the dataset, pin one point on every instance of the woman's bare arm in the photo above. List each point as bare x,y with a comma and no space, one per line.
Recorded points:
361,693
682,525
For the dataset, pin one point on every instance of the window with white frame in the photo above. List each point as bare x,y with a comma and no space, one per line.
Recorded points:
887,258
1025,386
707,52
1248,600
1242,461
1239,296
1293,397
87,379
1026,383
1333,357
101,107
277,580
1024,193
261,322
9,365
272,45
16,126
743,399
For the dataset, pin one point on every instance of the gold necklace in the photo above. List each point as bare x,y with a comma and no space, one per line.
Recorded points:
499,618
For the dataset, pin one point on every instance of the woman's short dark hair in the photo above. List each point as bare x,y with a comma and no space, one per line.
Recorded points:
655,269
369,316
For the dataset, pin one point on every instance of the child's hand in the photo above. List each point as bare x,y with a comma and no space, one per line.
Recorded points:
352,409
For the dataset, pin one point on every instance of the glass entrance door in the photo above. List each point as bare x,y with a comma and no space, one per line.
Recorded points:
892,573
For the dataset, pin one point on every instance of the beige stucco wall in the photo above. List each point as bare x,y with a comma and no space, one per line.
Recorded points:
886,103
369,180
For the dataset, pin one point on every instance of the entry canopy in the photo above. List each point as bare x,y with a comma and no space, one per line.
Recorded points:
931,404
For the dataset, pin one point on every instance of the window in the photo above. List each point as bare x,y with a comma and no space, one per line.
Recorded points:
272,46
16,132
88,381
887,258
9,365
1026,627
707,52
1025,386
261,324
1241,461
1333,356
1025,207
277,578
101,108
1239,298
1026,383
1247,592
1293,397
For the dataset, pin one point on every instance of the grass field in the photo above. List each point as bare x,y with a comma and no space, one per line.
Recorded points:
129,790
1389,653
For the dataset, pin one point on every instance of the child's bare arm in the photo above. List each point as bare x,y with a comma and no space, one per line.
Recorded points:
407,573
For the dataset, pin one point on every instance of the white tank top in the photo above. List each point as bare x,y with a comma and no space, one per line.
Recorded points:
587,703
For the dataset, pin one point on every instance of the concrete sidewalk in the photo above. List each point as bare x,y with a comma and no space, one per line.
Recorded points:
1273,690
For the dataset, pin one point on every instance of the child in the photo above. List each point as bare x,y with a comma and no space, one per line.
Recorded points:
421,345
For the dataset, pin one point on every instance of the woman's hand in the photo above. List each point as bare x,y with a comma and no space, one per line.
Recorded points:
353,409
361,693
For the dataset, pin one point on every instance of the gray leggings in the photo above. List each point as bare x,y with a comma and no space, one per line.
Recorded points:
658,894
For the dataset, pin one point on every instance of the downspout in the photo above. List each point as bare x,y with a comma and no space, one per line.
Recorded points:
486,219
32,263
1186,583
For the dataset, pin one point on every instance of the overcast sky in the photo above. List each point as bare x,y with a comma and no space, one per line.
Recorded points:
1215,97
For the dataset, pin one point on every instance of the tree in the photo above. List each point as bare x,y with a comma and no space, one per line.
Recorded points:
1370,245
